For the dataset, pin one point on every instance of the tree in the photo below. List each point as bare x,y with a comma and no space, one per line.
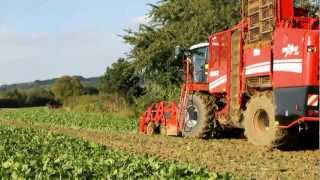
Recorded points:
16,96
90,90
122,80
176,22
38,96
312,6
66,86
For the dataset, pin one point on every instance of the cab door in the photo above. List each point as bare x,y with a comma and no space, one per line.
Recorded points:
219,60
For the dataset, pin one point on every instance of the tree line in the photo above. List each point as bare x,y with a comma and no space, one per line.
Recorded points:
63,88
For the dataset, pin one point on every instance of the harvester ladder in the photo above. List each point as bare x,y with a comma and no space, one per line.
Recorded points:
235,76
184,96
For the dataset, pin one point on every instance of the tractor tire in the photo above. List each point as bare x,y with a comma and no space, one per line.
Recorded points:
151,128
199,117
261,127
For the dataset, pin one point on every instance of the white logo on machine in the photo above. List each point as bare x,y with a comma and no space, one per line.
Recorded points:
256,52
214,41
214,73
290,50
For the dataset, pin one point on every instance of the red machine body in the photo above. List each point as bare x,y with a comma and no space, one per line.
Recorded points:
249,59
289,60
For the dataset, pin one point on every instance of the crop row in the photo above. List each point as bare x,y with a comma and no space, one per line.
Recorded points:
97,121
34,154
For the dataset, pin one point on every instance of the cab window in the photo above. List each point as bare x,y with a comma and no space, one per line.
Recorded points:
200,59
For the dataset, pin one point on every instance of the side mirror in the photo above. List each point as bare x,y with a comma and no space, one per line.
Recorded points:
177,52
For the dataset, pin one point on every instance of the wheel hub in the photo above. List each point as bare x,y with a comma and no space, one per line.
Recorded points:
191,117
151,128
261,121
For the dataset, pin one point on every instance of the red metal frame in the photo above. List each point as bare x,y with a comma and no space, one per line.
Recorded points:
198,87
299,121
162,114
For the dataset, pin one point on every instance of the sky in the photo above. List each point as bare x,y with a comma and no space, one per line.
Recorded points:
41,39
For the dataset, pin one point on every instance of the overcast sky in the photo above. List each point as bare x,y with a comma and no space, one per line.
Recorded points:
42,39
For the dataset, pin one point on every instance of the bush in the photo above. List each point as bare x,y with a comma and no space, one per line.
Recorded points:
121,79
85,103
99,103
66,87
90,90
155,93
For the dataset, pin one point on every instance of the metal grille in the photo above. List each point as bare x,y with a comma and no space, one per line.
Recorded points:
261,81
261,15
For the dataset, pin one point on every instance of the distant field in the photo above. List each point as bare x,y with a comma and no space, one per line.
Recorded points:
106,122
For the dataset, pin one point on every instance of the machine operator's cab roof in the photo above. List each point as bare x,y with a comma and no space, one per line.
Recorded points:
200,45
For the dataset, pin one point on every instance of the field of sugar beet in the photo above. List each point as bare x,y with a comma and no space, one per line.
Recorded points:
102,139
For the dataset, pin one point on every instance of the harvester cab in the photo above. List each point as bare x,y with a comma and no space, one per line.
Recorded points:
196,58
199,57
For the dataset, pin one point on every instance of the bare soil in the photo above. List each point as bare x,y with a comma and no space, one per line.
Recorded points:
236,156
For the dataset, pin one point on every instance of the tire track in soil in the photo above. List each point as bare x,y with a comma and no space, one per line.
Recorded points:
235,156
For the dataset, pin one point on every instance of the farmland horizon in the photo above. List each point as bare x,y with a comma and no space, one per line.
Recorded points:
49,78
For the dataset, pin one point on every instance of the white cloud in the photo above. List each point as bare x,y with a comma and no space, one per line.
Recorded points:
134,22
140,20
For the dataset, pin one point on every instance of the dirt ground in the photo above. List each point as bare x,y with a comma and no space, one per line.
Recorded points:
236,156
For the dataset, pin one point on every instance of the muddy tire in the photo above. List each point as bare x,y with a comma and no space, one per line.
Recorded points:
199,118
261,127
151,128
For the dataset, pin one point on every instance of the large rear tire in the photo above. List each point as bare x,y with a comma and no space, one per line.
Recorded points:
261,127
199,118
